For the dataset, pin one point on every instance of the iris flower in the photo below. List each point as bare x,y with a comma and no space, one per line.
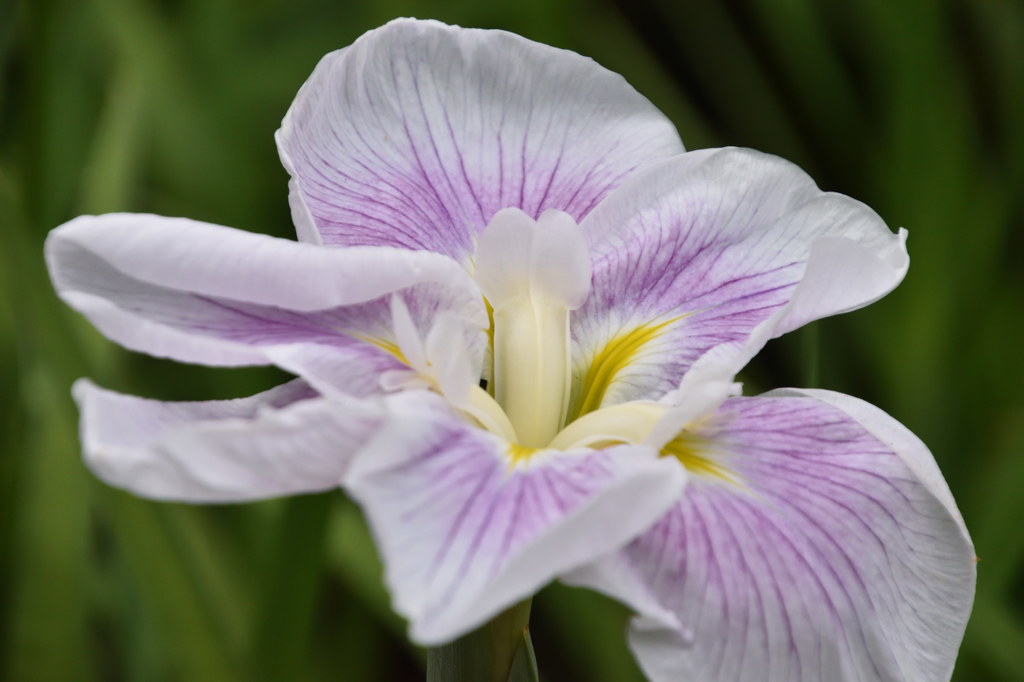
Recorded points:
515,311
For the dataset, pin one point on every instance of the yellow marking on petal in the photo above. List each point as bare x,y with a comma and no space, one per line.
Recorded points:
520,453
385,345
687,448
607,363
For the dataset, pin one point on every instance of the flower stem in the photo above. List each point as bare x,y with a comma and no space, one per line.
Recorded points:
500,651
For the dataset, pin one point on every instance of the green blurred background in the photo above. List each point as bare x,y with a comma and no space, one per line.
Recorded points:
915,107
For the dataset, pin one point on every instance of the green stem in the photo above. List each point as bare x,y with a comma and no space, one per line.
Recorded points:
497,652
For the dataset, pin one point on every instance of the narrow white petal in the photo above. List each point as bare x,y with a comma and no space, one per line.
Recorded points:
282,442
188,255
208,294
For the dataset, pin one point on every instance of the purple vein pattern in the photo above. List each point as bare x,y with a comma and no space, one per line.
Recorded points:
828,560
463,530
328,346
721,237
418,133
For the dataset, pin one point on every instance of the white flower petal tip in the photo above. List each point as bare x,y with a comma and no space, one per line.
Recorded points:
844,274
285,441
447,360
465,531
519,257
418,133
841,557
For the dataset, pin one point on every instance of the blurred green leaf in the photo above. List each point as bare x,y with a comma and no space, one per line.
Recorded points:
170,582
109,177
49,529
287,595
353,557
587,631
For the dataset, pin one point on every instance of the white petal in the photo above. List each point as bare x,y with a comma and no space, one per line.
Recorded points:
519,257
355,369
418,133
281,442
188,255
720,248
834,552
456,375
208,294
466,531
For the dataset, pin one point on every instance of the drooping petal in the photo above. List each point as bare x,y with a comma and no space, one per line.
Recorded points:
469,524
201,293
818,542
418,133
717,248
285,441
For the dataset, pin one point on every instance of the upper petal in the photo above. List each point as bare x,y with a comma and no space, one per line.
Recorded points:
830,550
718,248
284,441
203,293
418,133
465,531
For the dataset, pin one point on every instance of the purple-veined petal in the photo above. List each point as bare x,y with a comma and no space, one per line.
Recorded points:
285,441
418,133
718,248
466,529
830,548
202,293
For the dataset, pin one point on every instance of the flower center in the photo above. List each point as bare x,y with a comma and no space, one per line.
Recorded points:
533,273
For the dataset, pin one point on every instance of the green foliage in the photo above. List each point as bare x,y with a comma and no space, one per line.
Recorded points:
169,106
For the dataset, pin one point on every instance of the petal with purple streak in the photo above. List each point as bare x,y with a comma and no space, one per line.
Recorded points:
721,248
466,529
418,133
829,549
284,441
208,294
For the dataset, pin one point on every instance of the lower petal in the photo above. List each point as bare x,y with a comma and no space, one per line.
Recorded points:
284,441
832,551
469,524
